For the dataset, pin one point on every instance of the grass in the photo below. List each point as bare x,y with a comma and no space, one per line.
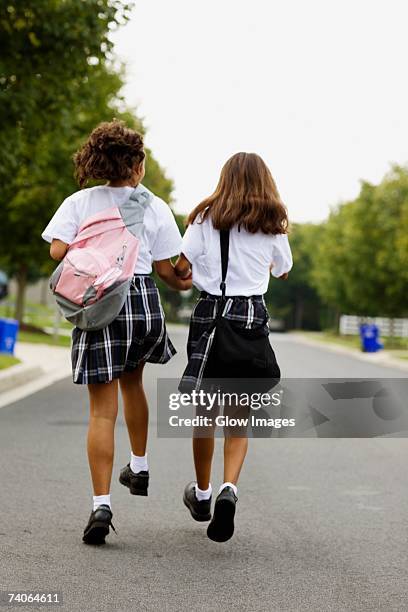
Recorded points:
24,336
396,347
39,316
7,360
330,337
400,354
35,314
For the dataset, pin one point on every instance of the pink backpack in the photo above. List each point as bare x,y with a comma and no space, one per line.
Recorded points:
92,281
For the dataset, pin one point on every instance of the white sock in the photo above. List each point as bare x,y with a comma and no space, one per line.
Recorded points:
138,464
228,484
98,500
203,495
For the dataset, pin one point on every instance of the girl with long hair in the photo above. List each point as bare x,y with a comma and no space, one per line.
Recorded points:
247,203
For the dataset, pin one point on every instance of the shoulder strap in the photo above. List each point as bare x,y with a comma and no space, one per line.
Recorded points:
133,210
224,245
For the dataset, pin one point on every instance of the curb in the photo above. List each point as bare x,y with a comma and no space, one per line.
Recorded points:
375,358
18,375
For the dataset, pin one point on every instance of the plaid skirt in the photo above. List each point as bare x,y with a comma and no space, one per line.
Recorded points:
137,334
247,312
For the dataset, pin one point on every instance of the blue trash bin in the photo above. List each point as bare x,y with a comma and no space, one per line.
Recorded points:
369,334
8,335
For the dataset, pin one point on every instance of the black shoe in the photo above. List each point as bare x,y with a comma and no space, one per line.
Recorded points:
136,483
221,527
199,510
98,525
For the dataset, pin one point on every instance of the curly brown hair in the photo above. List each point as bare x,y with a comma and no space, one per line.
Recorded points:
111,152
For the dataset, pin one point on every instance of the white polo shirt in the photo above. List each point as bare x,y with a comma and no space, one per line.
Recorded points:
161,238
250,258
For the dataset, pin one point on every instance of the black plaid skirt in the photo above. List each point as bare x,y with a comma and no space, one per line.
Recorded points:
247,312
137,334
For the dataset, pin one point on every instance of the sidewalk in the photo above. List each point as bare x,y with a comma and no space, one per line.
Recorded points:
41,365
380,358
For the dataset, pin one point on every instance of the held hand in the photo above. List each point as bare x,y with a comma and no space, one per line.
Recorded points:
187,276
183,267
183,274
184,284
168,274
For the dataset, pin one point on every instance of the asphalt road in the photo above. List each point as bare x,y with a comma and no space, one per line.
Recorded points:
321,523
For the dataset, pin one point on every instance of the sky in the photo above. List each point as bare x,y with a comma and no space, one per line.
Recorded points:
318,88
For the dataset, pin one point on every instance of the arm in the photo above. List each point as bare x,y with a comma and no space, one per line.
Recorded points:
167,273
58,249
282,260
183,267
283,277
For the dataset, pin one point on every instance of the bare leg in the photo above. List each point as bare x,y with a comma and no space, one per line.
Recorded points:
203,450
235,450
103,399
136,410
235,444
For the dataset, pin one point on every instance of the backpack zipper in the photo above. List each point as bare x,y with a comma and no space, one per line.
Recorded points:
79,272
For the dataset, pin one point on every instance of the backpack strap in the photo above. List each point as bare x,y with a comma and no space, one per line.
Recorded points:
134,208
224,246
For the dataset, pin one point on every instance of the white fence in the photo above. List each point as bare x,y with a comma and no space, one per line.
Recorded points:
349,325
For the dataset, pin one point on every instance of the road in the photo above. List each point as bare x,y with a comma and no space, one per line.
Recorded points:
321,523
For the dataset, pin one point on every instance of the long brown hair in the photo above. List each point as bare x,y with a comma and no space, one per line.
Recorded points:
247,196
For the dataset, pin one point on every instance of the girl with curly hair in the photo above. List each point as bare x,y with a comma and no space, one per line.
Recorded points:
115,356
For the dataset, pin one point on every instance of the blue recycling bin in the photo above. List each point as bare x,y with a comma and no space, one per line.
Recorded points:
369,334
8,335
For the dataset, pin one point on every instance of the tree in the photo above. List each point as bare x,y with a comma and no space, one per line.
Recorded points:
361,262
59,79
48,51
389,206
296,300
331,262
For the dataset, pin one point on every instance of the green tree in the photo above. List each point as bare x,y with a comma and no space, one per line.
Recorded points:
296,300
361,262
389,204
48,51
330,269
58,79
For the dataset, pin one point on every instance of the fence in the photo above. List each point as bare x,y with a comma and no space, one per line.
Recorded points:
398,328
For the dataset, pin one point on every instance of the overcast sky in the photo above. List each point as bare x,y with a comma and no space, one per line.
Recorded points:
318,88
